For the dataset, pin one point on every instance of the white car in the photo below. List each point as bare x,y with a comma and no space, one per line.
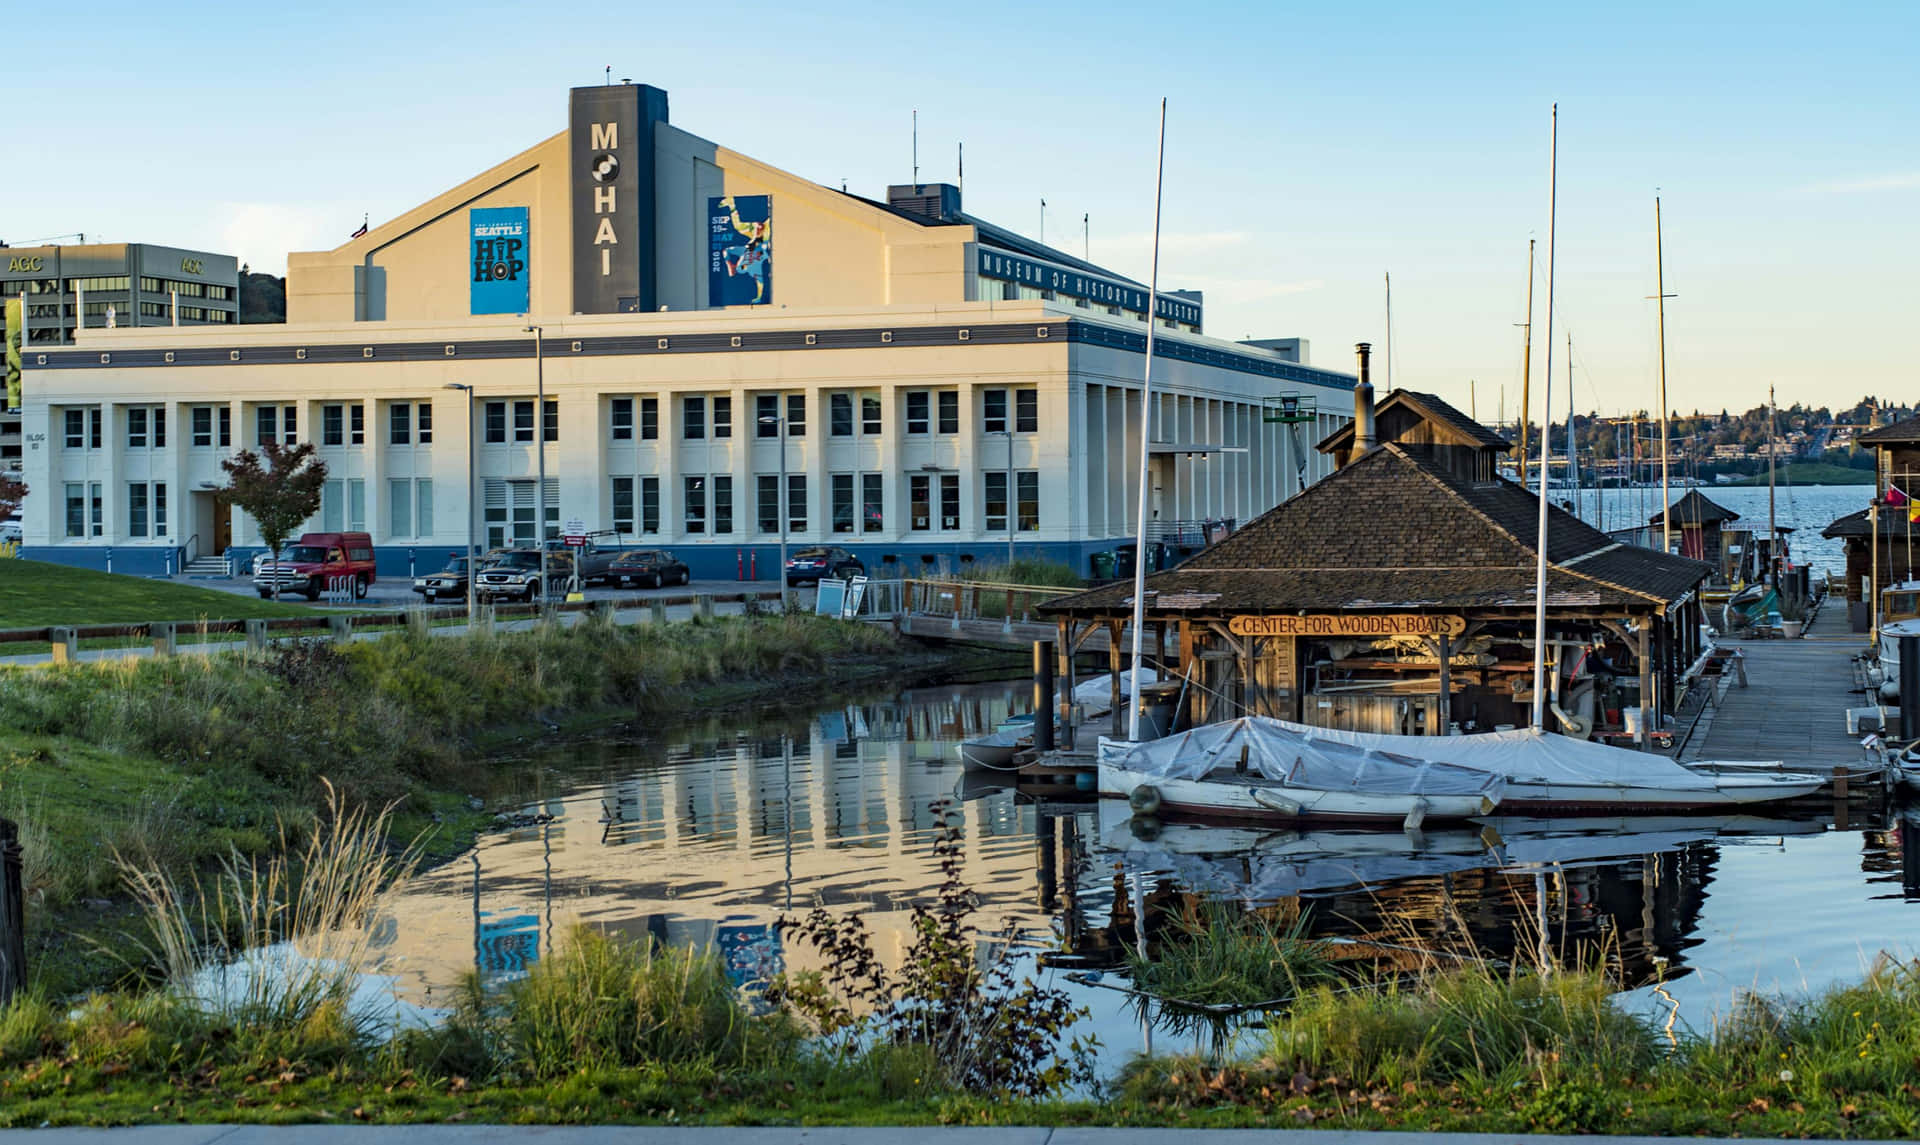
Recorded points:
10,531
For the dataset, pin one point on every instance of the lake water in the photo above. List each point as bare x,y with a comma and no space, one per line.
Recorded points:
710,832
1806,510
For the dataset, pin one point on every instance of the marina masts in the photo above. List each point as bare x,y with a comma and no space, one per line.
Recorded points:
1526,375
1546,420
1660,293
1146,436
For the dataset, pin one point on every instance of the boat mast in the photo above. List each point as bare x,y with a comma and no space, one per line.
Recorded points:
1773,456
1660,289
1546,420
1573,449
1526,375
1146,434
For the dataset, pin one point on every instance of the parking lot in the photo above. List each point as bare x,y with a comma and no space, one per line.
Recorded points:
397,591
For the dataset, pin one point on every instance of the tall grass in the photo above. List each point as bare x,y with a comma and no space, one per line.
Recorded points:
1221,955
1032,571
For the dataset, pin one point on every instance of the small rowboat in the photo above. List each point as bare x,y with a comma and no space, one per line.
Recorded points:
993,752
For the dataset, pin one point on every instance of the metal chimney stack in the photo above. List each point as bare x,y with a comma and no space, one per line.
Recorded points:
1363,433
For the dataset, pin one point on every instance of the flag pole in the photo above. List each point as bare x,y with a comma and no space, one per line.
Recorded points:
1132,694
1546,426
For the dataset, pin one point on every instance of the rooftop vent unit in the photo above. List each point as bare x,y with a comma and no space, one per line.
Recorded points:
937,201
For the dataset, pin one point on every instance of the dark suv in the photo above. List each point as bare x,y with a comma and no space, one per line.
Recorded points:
649,567
820,562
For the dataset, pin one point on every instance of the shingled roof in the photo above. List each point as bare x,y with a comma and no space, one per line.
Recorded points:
1446,420
1695,509
1893,523
1899,433
1393,530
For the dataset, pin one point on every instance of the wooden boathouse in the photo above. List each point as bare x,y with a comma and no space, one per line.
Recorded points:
1397,595
1879,539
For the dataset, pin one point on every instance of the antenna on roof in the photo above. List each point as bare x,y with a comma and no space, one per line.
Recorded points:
916,149
609,75
1043,221
1086,237
963,169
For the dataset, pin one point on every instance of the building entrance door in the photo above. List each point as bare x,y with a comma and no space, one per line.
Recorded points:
222,525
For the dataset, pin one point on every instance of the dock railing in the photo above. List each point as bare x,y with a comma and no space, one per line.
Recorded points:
961,600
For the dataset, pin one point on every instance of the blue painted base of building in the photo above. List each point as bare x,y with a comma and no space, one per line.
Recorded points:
708,561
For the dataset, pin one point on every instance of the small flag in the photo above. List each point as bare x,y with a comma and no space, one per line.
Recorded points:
1913,512
362,230
1895,496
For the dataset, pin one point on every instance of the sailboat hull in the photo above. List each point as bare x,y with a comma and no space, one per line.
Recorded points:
1232,797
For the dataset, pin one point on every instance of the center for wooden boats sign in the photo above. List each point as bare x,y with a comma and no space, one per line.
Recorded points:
1388,624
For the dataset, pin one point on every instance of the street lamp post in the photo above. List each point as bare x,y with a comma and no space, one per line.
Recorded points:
473,480
780,499
540,452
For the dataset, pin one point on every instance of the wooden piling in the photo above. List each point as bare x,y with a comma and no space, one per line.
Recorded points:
13,920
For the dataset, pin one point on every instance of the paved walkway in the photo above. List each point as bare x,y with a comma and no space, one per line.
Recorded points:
1795,705
670,1135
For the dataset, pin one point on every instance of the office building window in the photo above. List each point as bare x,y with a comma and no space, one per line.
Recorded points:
650,504
287,427
949,411
356,504
423,423
722,417
623,505
872,492
333,508
949,501
159,427
523,421
840,415
693,418
201,427
265,421
796,503
870,414
649,419
919,501
550,421
1026,499
723,504
994,504
917,411
842,502
766,415
766,502
136,427
137,509
400,423
95,418
796,415
96,509
356,424
620,419
146,427
696,504
495,415
400,506
226,426
423,506
1026,411
76,509
993,411
333,425
76,428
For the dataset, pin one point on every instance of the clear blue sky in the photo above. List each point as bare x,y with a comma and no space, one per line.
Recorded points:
1309,152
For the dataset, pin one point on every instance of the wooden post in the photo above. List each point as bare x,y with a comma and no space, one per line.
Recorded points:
163,635
13,919
1191,668
657,610
1444,716
703,605
1043,694
339,628
256,635
1113,670
65,647
1646,686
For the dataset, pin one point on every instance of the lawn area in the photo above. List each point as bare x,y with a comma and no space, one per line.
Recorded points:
34,594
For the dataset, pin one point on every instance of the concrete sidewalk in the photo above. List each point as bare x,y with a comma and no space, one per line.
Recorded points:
719,1135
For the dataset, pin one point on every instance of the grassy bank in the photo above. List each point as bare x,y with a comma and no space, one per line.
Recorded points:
34,594
1812,473
180,760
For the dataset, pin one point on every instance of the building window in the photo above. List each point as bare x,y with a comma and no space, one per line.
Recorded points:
523,421
994,505
1026,411
650,504
693,418
919,501
723,504
623,504
287,427
400,507
400,423
766,415
796,503
97,513
356,424
840,415
949,501
332,507
333,425
423,423
76,509
137,427
917,411
696,504
96,417
146,424
226,426
201,427
994,411
146,509
1026,499
842,502
949,411
76,428
649,419
356,504
869,414
872,493
766,502
796,415
620,417
722,417
496,419
550,421
423,507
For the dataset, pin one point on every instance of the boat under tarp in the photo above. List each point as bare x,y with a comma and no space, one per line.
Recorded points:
1257,768
1547,773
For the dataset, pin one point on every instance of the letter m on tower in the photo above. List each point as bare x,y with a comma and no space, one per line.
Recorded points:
605,136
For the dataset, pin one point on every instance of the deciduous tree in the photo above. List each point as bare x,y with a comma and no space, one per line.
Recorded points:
279,487
13,492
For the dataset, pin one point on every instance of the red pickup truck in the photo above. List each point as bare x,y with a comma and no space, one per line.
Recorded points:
311,564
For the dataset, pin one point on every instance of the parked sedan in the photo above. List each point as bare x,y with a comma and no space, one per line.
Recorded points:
820,562
650,568
449,582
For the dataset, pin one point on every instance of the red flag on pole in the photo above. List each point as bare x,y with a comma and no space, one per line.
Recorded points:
362,230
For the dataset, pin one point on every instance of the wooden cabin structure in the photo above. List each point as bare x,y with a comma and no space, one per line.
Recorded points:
1397,595
1879,539
1701,524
